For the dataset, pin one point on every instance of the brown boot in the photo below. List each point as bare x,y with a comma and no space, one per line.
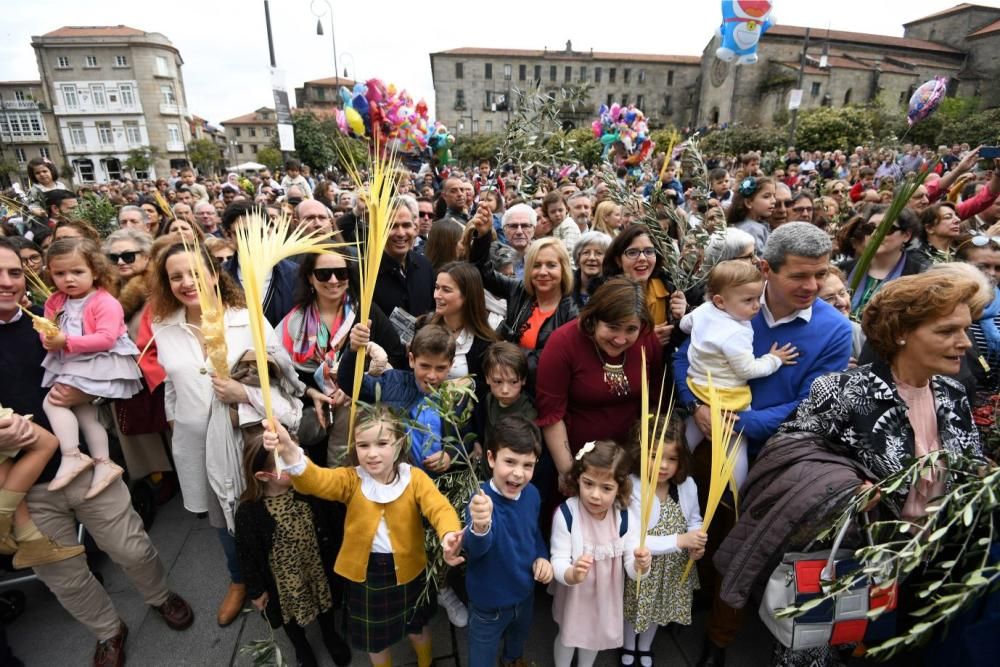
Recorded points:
33,553
232,604
7,543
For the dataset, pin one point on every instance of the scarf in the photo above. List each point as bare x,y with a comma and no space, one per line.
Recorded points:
988,324
307,338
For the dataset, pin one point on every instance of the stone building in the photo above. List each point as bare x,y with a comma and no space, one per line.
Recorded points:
249,133
321,93
114,89
27,126
476,89
840,68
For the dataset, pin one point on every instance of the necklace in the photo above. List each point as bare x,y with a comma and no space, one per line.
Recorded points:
614,374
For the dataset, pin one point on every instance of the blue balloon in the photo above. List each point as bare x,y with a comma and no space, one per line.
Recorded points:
610,138
629,117
603,110
360,89
345,96
361,104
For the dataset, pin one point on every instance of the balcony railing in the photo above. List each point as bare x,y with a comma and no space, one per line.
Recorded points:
25,105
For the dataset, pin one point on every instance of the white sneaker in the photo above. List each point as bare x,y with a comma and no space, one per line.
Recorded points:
458,615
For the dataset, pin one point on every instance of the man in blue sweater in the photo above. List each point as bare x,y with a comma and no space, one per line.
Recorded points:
795,263
505,549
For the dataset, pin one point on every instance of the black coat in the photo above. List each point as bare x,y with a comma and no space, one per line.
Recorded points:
254,534
280,297
412,290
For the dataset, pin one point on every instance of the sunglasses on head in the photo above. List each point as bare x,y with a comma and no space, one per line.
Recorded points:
127,257
981,240
323,275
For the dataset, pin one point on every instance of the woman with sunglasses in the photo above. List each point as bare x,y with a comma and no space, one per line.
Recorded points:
128,251
891,259
315,334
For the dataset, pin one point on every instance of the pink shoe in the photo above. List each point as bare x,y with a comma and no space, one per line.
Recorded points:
70,467
105,472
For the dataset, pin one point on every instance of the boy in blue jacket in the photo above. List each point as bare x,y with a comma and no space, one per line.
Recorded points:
506,554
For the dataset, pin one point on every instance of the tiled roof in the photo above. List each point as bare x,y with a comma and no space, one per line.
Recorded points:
859,38
251,118
95,31
332,81
596,55
20,83
987,29
952,10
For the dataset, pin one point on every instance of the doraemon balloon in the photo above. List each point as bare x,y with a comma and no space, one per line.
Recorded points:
744,22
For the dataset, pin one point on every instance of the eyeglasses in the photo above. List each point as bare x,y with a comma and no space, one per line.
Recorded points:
778,203
838,191
519,225
633,253
127,257
749,257
844,293
32,259
323,275
427,214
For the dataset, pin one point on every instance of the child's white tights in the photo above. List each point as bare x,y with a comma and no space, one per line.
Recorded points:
67,424
642,641
695,436
564,655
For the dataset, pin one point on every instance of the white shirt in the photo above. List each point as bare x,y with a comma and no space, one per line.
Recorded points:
805,313
377,492
723,346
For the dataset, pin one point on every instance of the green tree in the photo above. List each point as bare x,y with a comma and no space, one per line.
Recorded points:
586,148
469,149
827,129
205,155
742,138
314,140
270,157
350,150
982,127
142,158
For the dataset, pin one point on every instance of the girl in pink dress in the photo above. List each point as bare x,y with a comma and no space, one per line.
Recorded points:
592,545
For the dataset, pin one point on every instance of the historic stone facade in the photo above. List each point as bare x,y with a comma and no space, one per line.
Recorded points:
27,126
323,94
114,89
476,88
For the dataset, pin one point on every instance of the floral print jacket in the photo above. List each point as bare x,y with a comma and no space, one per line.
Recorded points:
861,413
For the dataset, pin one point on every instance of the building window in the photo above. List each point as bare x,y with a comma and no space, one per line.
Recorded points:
253,148
538,74
21,157
568,73
626,74
597,75
239,148
62,62
666,104
173,133
625,100
489,100
583,73
91,61
506,72
97,94
236,131
128,99
642,76
522,72
76,135
121,61
44,152
19,95
460,99
814,91
267,132
847,97
611,99
104,135
489,71
168,94
162,68
670,77
475,126
552,73
489,126
253,131
133,135
611,74
639,100
459,71
86,170
69,97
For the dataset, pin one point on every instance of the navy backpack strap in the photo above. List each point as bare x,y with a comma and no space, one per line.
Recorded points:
564,508
623,527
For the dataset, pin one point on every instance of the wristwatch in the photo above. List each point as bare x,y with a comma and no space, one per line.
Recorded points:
693,405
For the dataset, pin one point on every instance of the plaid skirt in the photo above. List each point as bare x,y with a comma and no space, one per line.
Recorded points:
380,612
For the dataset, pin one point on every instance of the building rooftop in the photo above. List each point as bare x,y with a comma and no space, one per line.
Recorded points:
20,83
96,31
252,118
332,81
860,38
953,10
988,29
595,55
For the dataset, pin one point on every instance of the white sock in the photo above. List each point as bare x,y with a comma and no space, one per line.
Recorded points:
628,644
563,654
645,642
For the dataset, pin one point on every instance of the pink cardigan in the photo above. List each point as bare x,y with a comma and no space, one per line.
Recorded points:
103,322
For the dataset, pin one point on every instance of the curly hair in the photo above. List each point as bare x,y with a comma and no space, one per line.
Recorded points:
104,273
908,302
606,456
162,301
673,434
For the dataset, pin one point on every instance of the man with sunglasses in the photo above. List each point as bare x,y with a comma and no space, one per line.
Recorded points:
425,219
782,200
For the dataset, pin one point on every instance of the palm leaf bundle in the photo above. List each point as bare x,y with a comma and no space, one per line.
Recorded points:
725,451
163,204
213,327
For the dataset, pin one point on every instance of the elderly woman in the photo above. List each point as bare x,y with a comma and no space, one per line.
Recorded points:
539,303
589,377
633,254
983,252
588,257
128,251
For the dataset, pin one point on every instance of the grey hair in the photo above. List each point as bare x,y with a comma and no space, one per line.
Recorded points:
725,245
410,204
593,237
502,255
202,204
986,292
130,208
801,239
173,209
577,195
141,239
519,208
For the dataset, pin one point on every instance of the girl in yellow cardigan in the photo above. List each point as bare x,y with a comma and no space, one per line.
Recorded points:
382,557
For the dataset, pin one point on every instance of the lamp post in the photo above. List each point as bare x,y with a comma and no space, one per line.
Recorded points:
319,31
354,67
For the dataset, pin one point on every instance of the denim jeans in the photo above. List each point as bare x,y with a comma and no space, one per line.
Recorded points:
488,626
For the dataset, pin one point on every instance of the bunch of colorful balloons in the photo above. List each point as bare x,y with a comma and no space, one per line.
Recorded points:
390,117
624,130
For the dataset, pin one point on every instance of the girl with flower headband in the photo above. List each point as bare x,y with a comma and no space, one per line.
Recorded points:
753,203
593,546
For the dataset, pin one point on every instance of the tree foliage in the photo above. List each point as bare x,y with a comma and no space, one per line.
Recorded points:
981,127
742,138
270,157
141,158
314,140
828,128
205,155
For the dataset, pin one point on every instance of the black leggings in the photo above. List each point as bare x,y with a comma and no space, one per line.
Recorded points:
297,635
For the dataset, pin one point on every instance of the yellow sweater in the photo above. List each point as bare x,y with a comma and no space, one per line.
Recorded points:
402,516
657,300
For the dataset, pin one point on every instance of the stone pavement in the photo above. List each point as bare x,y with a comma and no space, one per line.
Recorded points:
45,635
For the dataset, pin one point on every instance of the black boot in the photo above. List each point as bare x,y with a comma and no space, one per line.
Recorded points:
304,656
338,649
712,655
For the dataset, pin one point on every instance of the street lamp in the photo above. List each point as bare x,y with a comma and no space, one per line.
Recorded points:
354,67
319,31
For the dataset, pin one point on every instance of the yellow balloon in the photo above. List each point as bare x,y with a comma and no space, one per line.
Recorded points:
354,121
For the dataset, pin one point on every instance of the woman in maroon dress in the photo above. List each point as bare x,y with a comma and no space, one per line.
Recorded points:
589,377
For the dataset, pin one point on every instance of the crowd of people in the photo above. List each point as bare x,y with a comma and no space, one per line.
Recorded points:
544,298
